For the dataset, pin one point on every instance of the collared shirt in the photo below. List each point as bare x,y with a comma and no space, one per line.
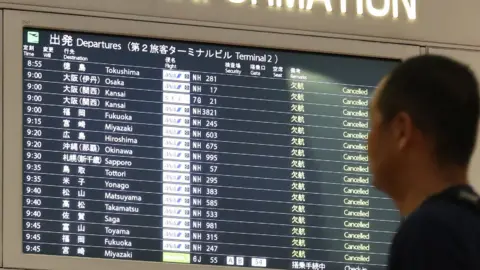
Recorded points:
442,234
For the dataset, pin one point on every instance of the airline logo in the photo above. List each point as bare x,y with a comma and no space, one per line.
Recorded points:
176,98
176,154
176,120
176,75
176,223
176,246
176,109
176,87
180,212
176,166
176,189
176,132
176,235
176,177
176,143
176,200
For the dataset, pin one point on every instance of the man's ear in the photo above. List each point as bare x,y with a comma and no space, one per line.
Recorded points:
402,129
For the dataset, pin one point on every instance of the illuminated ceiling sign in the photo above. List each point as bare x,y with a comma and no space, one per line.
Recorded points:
375,8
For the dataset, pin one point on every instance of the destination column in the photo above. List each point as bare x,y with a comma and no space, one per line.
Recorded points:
118,192
78,96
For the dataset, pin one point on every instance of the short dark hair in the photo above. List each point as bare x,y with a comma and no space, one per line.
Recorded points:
441,97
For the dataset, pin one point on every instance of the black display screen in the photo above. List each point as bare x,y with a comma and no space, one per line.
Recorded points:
169,151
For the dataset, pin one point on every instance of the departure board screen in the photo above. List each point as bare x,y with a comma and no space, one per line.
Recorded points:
195,153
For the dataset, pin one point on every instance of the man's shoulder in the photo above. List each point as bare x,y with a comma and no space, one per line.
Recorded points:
445,212
441,220
440,228
444,215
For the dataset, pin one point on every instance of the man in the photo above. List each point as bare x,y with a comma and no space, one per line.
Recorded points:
424,119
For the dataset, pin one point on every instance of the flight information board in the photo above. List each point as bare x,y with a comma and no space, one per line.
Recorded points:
168,151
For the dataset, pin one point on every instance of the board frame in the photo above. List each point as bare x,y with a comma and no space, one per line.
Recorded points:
15,21
1,138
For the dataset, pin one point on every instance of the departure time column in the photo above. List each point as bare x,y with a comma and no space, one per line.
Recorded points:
33,134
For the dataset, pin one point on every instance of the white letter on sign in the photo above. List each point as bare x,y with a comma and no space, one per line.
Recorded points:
328,4
378,12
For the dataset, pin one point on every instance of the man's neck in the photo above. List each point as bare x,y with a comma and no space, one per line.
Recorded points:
428,186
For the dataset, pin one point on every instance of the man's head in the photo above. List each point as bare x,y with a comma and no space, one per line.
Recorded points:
423,115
